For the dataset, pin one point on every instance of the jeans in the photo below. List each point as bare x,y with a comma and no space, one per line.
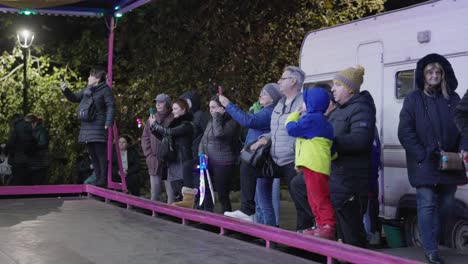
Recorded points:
266,212
262,207
435,205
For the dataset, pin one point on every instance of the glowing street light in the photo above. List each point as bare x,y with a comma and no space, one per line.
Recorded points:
25,40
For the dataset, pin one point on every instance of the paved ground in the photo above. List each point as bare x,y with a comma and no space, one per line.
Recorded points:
51,230
449,255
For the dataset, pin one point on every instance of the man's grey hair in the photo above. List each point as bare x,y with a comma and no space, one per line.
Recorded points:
298,74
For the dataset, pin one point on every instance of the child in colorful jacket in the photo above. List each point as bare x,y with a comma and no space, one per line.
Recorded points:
313,156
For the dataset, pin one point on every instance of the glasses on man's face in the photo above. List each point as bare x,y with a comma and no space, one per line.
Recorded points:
285,78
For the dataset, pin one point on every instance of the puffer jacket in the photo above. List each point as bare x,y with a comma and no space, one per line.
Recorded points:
353,126
220,139
313,132
282,144
94,131
427,126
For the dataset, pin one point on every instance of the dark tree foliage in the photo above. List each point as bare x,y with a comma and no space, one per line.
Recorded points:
172,46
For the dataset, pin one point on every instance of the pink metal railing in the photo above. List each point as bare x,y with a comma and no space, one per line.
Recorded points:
328,248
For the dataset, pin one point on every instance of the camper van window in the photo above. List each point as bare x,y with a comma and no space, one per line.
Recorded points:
404,83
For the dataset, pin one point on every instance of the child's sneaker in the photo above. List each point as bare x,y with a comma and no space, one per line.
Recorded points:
325,231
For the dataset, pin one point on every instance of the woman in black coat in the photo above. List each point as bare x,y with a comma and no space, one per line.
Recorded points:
179,168
130,163
94,128
427,127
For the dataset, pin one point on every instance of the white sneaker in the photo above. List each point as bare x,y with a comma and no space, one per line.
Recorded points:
240,215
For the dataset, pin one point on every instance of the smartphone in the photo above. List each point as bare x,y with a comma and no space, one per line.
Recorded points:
151,111
220,90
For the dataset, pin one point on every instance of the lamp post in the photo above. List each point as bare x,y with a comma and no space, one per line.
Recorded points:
25,39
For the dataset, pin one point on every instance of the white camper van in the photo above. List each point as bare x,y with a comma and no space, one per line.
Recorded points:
388,46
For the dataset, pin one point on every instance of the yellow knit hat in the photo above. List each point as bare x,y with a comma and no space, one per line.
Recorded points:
351,78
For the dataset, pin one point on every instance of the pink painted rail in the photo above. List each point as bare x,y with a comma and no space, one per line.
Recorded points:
331,249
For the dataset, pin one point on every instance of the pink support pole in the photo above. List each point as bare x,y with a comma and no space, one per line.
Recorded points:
113,131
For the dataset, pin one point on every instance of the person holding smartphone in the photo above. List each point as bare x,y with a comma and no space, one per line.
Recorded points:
157,169
96,112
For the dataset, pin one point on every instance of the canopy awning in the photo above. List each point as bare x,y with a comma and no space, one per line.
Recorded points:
70,7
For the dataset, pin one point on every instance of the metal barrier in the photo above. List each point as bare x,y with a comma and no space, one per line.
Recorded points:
330,249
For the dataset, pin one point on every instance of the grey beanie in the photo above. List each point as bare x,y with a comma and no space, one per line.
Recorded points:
273,90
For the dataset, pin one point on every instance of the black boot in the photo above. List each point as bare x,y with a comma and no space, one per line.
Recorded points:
434,258
100,183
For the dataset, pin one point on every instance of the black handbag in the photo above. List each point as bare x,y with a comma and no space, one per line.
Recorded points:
256,158
165,150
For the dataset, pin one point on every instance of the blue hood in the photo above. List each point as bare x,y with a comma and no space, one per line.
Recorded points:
316,100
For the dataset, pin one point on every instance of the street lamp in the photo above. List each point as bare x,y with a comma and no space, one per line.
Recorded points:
25,39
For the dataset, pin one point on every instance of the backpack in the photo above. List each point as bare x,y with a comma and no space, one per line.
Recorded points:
87,109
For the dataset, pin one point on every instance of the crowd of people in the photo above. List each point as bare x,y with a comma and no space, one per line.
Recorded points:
322,140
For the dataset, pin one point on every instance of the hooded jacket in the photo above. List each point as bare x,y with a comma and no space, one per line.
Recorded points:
200,119
427,126
353,126
313,132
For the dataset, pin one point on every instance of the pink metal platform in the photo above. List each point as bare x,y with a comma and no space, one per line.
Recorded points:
205,241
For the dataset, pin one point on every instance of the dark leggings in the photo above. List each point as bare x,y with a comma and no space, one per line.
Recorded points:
98,153
221,176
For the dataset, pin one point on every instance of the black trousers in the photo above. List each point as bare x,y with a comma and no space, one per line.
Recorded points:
298,192
349,211
20,175
221,176
38,176
248,183
98,153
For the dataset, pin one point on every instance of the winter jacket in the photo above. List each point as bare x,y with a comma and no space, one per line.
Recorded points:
94,131
200,120
220,139
313,132
181,131
353,126
40,156
427,122
21,143
258,123
282,145
461,120
150,143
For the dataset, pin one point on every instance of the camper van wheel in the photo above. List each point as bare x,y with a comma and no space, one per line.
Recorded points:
460,235
413,239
